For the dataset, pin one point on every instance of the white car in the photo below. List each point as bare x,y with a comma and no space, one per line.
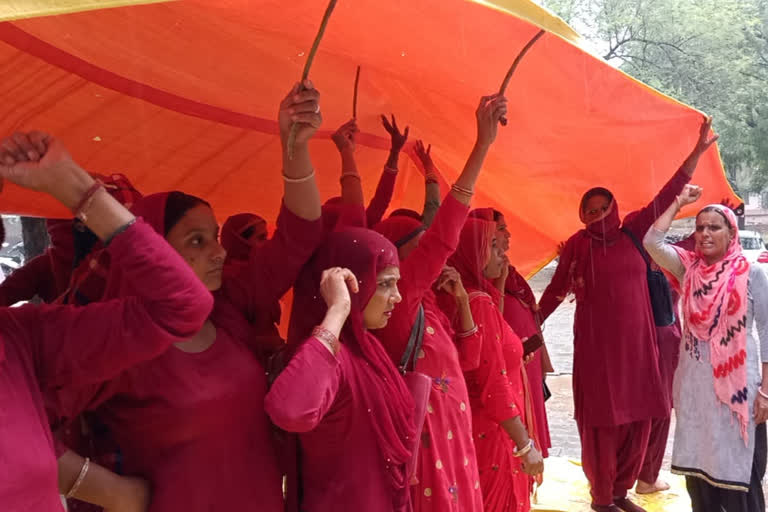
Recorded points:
751,244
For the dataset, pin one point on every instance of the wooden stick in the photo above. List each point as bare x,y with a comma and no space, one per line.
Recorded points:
308,65
516,63
354,97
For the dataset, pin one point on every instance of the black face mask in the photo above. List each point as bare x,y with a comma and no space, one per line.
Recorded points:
84,240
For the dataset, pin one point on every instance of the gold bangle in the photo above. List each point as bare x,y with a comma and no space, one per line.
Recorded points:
462,190
326,336
350,175
308,177
80,478
524,451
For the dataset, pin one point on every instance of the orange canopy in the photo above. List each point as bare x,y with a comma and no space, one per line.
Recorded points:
184,95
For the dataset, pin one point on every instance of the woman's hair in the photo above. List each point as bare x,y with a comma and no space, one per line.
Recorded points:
719,212
176,206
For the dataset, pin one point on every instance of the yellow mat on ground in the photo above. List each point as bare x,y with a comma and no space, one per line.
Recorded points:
565,489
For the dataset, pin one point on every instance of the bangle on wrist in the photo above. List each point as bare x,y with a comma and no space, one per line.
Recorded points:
350,175
467,334
761,392
80,478
81,209
327,337
308,177
463,191
522,452
118,231
391,170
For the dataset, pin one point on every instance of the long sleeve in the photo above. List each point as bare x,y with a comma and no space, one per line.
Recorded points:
381,199
663,253
34,278
758,286
80,346
640,224
420,270
557,290
274,266
490,378
470,349
305,390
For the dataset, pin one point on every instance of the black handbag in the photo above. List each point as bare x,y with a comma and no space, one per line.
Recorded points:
658,288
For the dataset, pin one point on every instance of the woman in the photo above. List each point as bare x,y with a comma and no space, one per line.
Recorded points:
49,347
721,403
192,421
605,271
522,314
340,392
446,475
502,429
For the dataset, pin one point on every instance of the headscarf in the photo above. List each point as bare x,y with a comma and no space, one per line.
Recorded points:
472,255
337,214
399,230
372,375
483,213
239,246
715,312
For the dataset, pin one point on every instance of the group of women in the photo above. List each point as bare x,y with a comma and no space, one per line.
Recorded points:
412,374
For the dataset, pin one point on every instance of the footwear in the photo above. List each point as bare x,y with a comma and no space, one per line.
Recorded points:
605,508
646,488
627,506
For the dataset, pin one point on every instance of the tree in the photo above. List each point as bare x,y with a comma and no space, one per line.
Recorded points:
711,54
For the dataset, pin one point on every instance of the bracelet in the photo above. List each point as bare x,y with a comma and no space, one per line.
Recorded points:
86,201
308,177
523,451
462,190
326,336
467,334
80,478
761,393
392,170
350,175
120,230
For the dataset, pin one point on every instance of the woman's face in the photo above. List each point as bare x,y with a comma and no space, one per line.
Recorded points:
595,207
495,266
196,238
379,309
713,236
502,233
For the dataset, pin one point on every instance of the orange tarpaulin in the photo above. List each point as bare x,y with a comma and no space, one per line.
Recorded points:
183,95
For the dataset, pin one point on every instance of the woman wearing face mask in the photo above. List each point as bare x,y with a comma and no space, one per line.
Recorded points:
502,429
51,347
721,402
340,391
192,421
614,336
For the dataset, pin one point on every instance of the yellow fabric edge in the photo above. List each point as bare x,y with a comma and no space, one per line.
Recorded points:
22,9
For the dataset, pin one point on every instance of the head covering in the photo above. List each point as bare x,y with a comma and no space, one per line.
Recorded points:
233,234
399,230
372,374
337,214
715,312
607,227
483,213
407,212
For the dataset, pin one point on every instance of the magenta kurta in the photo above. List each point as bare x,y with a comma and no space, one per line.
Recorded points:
60,346
194,423
446,477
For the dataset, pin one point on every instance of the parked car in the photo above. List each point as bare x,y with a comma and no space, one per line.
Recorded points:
752,245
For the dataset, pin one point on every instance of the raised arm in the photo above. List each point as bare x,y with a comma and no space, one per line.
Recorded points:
386,187
661,252
431,183
648,215
305,390
72,346
351,184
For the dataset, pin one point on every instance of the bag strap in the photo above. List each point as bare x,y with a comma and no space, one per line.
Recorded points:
640,249
414,342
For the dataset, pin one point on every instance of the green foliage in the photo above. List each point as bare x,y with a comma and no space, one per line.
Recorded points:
711,54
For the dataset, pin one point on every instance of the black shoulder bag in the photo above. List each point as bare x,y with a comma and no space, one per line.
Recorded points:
658,288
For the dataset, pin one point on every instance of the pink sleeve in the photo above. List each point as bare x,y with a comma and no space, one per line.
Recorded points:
381,199
305,390
422,268
558,287
274,266
642,222
490,377
34,278
80,346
